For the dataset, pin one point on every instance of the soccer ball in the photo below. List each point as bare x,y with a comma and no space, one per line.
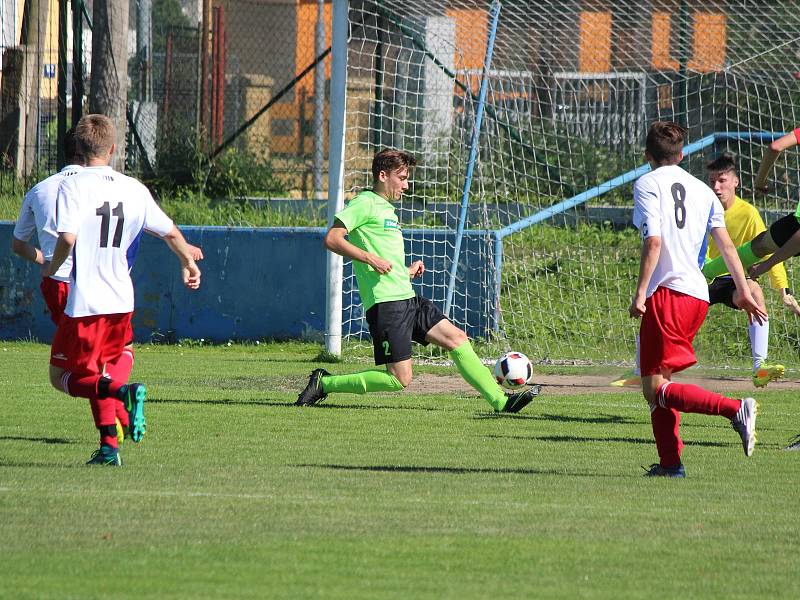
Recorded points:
513,370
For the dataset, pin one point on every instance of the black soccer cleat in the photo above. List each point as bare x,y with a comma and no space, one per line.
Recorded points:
516,402
313,392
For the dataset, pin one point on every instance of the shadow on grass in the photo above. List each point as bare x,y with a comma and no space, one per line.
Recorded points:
625,440
43,440
10,464
222,402
600,419
455,470
291,404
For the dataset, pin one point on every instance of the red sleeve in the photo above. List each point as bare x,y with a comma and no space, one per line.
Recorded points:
797,134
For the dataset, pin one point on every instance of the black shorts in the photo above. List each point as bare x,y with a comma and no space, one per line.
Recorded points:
720,291
784,228
394,324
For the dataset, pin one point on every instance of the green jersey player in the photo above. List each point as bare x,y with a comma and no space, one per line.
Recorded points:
368,232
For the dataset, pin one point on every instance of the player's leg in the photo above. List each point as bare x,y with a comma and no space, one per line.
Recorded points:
749,253
438,330
120,370
80,383
390,325
667,334
758,333
666,424
81,347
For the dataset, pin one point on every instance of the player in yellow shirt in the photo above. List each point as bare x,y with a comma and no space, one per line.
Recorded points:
743,223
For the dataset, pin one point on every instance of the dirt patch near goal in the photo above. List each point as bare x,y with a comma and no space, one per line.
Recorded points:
562,385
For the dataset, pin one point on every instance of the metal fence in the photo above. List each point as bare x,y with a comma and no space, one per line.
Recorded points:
215,89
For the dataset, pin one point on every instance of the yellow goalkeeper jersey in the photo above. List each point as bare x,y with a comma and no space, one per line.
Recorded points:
744,223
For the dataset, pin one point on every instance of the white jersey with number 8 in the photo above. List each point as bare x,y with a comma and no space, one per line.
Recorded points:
680,209
108,212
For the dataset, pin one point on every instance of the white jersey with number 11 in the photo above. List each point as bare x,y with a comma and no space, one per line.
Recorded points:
108,212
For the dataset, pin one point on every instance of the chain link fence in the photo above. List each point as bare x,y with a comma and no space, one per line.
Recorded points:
223,96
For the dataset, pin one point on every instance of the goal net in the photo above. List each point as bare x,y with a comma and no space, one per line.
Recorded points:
548,259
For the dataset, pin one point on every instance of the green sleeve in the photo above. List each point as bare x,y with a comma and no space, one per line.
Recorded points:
355,214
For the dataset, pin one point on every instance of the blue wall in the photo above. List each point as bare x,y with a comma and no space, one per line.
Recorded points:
257,283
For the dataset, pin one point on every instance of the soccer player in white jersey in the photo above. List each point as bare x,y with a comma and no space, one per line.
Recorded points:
673,211
101,217
38,214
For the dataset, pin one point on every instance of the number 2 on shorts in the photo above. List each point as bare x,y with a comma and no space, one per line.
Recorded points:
386,351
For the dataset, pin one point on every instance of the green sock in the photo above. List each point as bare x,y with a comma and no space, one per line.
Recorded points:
478,376
716,267
361,383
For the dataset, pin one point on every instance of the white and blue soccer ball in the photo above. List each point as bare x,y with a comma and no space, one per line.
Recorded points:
513,370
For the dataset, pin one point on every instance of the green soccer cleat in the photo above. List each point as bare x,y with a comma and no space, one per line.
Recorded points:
766,373
516,402
106,456
133,395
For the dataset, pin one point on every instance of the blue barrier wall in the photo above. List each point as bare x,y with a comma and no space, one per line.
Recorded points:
257,283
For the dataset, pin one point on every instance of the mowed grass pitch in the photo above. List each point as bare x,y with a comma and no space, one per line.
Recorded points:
234,492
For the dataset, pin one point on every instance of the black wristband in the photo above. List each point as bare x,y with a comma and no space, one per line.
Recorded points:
788,291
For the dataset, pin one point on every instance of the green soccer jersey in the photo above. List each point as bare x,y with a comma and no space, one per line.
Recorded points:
372,225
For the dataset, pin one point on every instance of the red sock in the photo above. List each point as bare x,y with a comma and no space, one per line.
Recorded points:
693,399
121,371
95,413
105,411
666,429
86,386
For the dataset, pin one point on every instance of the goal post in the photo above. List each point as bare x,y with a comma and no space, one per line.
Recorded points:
338,101
548,257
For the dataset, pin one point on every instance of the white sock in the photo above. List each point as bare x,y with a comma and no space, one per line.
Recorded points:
759,342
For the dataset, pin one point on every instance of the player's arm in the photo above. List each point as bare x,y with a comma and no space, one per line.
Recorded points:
27,251
731,257
195,251
189,270
336,242
771,153
64,245
651,250
23,231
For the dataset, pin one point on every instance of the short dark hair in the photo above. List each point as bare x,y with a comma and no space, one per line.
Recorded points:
665,140
390,160
72,155
724,163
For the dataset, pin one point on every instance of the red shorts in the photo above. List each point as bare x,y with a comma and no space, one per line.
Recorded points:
55,296
84,345
668,327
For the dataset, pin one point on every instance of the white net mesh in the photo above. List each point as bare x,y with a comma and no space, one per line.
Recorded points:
571,92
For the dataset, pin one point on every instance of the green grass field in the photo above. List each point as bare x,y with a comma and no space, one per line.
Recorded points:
235,493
